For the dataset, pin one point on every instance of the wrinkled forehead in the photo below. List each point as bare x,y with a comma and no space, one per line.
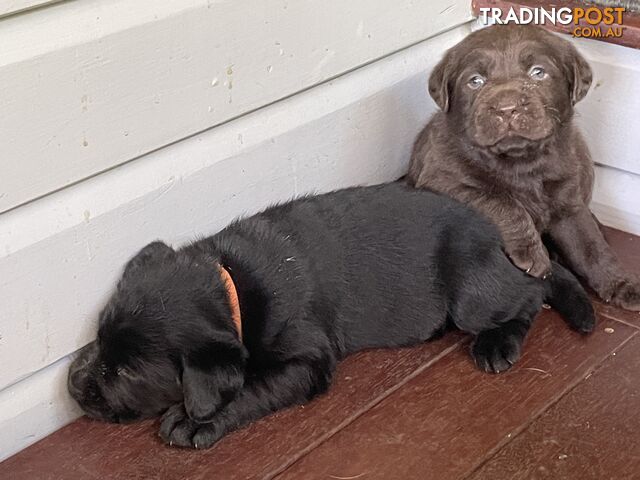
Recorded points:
509,60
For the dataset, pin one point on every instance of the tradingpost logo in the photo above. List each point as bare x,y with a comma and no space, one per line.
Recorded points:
591,22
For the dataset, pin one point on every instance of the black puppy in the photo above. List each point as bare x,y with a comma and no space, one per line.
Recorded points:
317,279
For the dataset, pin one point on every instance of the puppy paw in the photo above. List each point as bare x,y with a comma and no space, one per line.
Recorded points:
627,295
533,259
177,429
585,324
582,318
495,350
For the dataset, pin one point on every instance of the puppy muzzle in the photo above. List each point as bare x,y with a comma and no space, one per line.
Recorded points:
510,115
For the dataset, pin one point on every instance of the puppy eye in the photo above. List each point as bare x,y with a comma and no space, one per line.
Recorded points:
476,82
537,73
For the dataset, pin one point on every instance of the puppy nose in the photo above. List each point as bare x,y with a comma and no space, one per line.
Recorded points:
510,104
510,108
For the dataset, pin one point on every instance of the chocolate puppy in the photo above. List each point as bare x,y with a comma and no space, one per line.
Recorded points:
253,319
505,144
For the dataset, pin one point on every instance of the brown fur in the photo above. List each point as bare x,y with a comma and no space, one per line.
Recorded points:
509,148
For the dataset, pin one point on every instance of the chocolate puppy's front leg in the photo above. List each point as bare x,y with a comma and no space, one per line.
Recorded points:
292,383
582,244
522,241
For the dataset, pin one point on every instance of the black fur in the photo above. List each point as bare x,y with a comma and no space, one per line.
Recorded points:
317,279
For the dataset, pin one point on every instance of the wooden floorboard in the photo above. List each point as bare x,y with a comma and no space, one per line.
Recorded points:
447,420
590,434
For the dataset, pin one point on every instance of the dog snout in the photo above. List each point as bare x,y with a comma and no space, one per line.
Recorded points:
509,104
509,109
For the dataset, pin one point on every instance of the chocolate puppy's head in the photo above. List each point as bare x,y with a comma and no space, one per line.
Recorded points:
509,88
165,336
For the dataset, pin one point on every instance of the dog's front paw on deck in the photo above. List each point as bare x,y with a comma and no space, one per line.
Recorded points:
496,350
177,429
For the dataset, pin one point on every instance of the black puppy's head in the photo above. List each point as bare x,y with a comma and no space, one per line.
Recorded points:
165,336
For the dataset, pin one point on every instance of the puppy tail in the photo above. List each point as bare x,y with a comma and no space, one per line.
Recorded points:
565,294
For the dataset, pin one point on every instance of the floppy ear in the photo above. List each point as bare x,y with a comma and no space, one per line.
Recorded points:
154,252
581,77
439,84
211,377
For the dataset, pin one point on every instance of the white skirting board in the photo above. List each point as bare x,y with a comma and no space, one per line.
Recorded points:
35,408
616,198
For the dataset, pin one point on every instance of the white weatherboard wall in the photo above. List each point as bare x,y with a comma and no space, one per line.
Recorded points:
10,7
61,254
96,83
609,118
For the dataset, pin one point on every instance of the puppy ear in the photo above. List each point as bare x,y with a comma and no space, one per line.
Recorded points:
154,252
439,84
581,77
211,378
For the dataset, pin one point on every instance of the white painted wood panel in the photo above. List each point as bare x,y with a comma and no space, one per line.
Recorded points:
61,255
9,7
35,407
609,116
616,199
90,84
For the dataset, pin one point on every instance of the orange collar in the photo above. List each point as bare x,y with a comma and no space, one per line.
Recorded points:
232,295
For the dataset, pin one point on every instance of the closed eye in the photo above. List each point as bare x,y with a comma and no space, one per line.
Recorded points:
127,373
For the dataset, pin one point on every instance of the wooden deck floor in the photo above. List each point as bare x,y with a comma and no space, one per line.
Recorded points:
568,410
